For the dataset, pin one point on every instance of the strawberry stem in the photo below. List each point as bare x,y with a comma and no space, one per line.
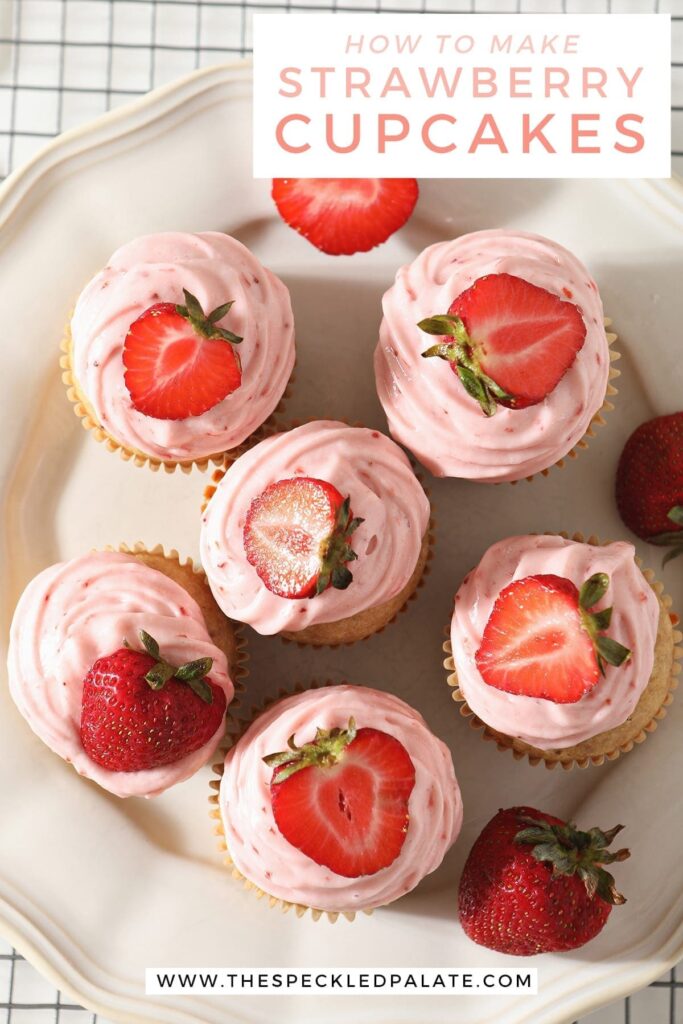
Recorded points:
192,672
460,353
205,325
595,623
570,851
323,752
336,551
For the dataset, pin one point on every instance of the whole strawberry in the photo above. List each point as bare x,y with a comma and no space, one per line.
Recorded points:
140,712
535,884
649,487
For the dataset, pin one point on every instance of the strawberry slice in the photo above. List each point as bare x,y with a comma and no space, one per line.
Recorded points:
543,640
139,712
345,215
509,342
343,798
297,537
178,362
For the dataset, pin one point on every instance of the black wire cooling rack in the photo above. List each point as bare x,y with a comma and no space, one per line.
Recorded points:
63,62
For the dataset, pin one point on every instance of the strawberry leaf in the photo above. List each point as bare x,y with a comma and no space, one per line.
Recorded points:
451,353
149,644
593,590
194,670
201,688
158,676
612,651
341,577
445,326
220,311
676,515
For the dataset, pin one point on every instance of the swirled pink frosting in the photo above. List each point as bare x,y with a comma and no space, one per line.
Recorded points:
78,611
262,853
216,269
427,407
539,722
384,492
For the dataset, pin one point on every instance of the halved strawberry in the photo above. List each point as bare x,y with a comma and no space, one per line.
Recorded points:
343,798
542,640
345,215
178,362
297,537
139,712
510,341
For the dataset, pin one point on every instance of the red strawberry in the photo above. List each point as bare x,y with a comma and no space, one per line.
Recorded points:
535,884
139,712
542,640
509,341
178,362
297,536
343,798
345,215
650,483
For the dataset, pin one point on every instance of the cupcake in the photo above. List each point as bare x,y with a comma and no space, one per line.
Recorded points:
493,362
563,650
320,534
180,349
122,664
337,799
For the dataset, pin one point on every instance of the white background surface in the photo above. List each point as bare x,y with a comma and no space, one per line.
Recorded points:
220,29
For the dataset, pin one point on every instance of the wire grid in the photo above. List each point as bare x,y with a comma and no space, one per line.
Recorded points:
63,62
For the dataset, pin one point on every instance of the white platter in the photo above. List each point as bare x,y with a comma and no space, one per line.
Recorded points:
92,889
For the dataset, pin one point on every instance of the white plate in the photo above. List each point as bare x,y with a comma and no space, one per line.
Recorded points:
93,889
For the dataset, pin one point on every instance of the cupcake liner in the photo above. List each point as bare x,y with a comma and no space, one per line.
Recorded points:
89,421
228,635
235,733
634,730
598,419
323,634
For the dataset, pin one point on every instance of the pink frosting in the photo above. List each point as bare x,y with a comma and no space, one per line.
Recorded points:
216,269
426,405
266,858
384,492
634,623
76,612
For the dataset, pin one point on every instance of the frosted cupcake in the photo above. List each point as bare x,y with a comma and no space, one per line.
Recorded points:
338,799
320,534
123,665
493,362
563,650
180,349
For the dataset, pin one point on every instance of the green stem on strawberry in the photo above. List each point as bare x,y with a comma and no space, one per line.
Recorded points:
595,623
570,851
192,672
323,752
672,538
336,551
205,324
460,352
